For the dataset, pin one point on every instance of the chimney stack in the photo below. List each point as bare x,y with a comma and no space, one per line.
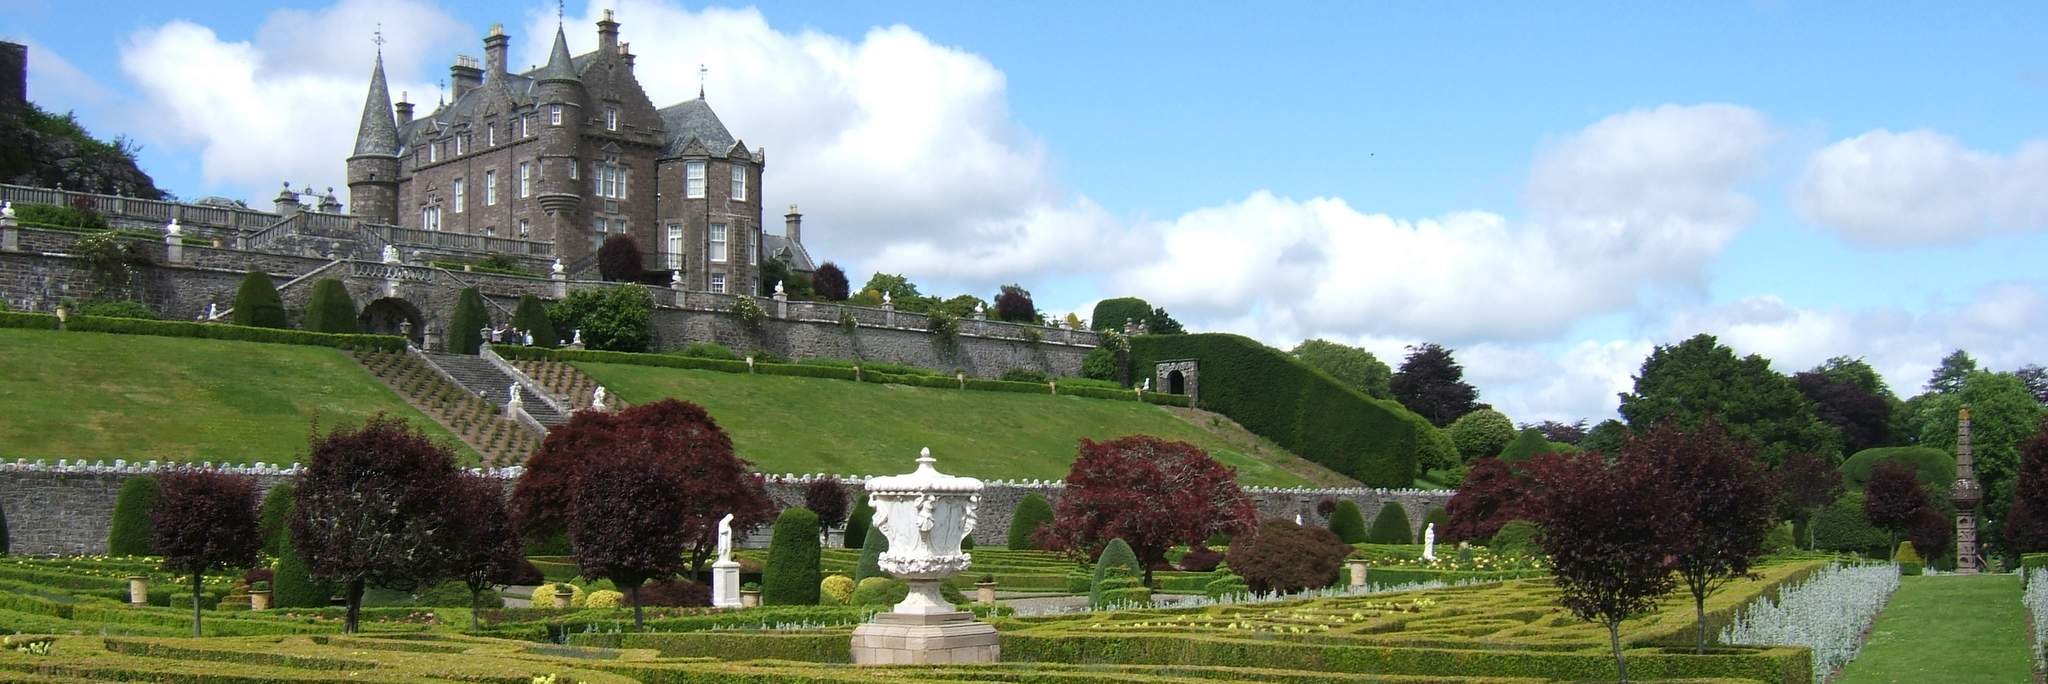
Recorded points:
607,34
626,53
404,109
465,76
793,225
494,54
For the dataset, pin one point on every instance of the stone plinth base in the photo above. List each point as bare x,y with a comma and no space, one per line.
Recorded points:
896,639
725,584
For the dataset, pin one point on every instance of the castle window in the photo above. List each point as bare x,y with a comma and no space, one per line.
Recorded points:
522,125
572,168
458,144
491,188
457,189
434,153
753,255
611,118
718,283
673,258
554,115
430,218
718,242
525,179
739,183
491,135
610,181
693,180
490,231
525,228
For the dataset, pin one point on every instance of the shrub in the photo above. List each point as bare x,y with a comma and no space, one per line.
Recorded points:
605,598
827,498
1025,375
1281,556
612,318
1303,410
1437,515
1201,559
879,591
532,317
1119,588
465,326
1032,513
871,550
292,586
257,304
1780,540
131,533
60,216
1481,434
1116,558
1100,364
544,595
836,590
275,518
857,522
211,331
1348,523
1529,443
119,308
791,575
709,350
454,594
1934,467
1111,314
1225,584
1517,538
1390,526
1842,527
330,310
829,282
675,591
618,259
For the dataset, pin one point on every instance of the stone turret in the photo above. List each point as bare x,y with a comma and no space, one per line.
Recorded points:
1965,494
559,100
373,169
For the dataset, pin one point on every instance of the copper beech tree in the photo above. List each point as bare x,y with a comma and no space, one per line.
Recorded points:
487,553
2026,527
373,509
1149,492
1725,495
1611,534
205,521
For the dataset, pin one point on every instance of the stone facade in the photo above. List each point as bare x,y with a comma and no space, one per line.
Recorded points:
13,77
66,508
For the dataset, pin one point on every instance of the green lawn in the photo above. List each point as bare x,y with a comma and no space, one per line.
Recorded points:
808,425
1948,629
97,396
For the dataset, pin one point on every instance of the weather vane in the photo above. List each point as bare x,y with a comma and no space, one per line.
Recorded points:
378,37
701,71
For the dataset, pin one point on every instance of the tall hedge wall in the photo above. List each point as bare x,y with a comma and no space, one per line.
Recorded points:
1302,409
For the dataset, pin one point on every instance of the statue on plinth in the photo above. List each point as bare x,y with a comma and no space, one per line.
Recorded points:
1429,542
725,573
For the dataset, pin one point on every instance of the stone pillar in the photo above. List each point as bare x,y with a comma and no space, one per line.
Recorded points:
1357,573
925,514
781,302
561,280
888,311
10,230
259,599
174,243
138,590
725,584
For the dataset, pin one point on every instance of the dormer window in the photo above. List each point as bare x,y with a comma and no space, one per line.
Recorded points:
739,183
693,180
554,115
522,125
434,153
611,118
491,135
458,144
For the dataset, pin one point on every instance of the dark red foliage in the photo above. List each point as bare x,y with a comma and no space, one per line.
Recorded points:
829,282
618,259
1490,497
255,575
1893,496
1807,483
1611,535
1931,533
1281,556
675,591
372,509
1725,495
486,551
827,498
1863,416
1200,559
715,482
525,574
621,517
205,520
1013,304
2026,526
1326,507
1149,492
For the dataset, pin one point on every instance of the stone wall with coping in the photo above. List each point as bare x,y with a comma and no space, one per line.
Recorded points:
66,507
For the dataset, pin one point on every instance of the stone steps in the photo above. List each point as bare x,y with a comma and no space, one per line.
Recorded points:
482,378
564,380
476,421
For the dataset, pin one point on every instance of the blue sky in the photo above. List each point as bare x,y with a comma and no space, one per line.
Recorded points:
1550,189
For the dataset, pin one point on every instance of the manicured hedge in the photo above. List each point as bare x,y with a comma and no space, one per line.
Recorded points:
1302,409
217,331
257,304
1032,512
1934,467
131,532
1348,523
1390,526
791,576
330,309
2034,561
31,321
1116,558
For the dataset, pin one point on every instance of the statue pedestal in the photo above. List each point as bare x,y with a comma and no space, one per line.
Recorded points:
725,584
925,639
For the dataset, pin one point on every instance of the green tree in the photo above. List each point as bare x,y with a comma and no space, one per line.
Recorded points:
898,288
257,303
791,575
1605,438
1349,524
275,518
857,522
1353,366
2003,415
617,318
330,310
1032,513
1159,322
1481,434
1391,526
131,533
1949,376
1116,557
1700,377
871,549
292,584
532,316
1111,314
1526,444
1855,371
465,327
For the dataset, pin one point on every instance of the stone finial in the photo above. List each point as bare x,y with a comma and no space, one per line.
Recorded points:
557,267
885,297
675,278
173,229
778,287
390,254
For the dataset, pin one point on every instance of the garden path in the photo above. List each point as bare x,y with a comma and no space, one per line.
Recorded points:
1948,628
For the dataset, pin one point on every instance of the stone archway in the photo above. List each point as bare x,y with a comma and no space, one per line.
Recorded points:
393,316
1176,383
1180,376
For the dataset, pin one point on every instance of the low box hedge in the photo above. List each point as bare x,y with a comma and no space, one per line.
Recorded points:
2034,561
29,321
222,331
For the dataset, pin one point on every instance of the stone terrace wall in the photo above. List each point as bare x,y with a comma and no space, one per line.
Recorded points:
66,508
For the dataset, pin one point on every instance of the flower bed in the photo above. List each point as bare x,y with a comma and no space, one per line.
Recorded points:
1828,613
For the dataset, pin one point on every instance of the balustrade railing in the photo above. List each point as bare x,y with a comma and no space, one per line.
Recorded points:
154,211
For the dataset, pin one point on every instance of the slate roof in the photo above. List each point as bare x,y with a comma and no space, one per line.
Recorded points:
694,119
560,65
378,133
799,258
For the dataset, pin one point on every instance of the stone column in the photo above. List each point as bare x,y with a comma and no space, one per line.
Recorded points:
10,230
888,311
781,302
1357,573
561,280
174,243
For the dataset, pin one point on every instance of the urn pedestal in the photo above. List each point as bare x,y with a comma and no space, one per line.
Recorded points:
924,514
725,584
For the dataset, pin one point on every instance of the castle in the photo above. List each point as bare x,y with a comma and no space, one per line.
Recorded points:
572,153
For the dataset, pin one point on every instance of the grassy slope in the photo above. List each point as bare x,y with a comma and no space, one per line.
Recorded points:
101,396
806,425
1949,628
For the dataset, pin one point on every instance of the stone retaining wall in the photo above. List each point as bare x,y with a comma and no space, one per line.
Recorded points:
66,508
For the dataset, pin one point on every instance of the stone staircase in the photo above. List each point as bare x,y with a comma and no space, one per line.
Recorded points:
478,422
564,380
483,379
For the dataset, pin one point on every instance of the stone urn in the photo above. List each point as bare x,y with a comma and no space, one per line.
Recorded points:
924,514
259,599
138,590
562,598
985,593
750,598
1357,573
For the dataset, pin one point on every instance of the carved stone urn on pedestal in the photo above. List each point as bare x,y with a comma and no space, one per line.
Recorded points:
924,515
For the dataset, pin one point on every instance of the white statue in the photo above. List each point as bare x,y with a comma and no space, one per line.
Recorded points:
173,229
725,538
885,296
778,287
557,268
212,311
6,210
390,254
980,311
1297,518
597,398
529,338
577,338
1429,542
675,280
514,392
1148,384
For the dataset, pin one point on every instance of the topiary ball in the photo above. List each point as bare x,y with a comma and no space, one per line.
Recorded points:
879,591
1516,538
835,590
604,599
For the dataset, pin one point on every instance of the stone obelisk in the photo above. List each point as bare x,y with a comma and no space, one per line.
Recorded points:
1966,494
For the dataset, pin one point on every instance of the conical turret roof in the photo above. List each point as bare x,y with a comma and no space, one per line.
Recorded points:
378,133
560,66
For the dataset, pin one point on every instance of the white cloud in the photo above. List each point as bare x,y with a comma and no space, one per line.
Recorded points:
55,83
1922,188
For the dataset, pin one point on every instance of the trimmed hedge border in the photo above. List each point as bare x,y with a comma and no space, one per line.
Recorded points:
223,331
831,372
28,321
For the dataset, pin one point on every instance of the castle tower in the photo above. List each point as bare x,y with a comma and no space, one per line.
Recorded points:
373,169
559,104
1966,494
